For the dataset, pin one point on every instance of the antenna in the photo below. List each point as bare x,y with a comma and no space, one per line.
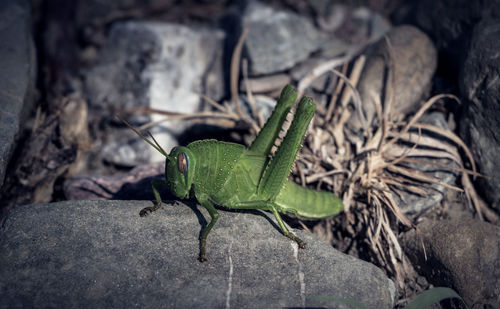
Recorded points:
155,145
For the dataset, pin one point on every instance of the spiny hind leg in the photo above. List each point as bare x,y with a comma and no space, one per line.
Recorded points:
157,184
278,168
267,136
265,205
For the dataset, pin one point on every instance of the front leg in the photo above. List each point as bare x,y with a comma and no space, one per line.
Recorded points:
157,184
203,200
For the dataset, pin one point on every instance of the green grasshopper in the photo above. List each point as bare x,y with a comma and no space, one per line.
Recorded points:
229,175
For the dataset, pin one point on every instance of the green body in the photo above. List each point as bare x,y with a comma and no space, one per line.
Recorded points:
228,174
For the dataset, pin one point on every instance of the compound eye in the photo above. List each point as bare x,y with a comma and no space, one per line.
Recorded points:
182,162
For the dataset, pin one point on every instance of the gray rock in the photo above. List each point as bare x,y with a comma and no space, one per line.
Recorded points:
480,123
353,24
370,25
463,254
17,74
125,148
101,254
277,40
449,22
329,16
155,65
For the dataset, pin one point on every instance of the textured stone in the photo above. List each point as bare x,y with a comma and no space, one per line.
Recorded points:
101,254
463,254
480,123
450,22
154,65
17,74
277,40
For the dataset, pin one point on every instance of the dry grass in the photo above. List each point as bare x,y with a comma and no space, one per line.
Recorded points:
367,172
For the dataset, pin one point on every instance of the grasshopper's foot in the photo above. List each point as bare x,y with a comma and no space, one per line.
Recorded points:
300,242
147,210
302,245
202,258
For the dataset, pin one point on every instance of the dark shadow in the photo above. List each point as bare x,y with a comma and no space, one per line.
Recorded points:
231,25
256,212
141,190
205,131
191,203
203,221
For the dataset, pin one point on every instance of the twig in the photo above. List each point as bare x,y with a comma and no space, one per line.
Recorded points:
356,99
333,99
319,70
419,114
235,71
251,99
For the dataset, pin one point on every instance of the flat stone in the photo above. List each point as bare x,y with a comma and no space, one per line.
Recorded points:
17,74
101,254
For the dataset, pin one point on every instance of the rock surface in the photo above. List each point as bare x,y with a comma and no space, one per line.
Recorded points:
480,123
277,40
101,254
463,254
155,65
17,74
450,21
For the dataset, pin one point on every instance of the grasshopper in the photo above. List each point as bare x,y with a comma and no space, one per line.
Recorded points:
229,175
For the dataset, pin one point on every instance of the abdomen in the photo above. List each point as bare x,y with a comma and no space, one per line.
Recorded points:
305,203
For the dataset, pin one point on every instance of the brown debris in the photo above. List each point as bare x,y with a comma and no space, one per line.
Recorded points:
54,145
